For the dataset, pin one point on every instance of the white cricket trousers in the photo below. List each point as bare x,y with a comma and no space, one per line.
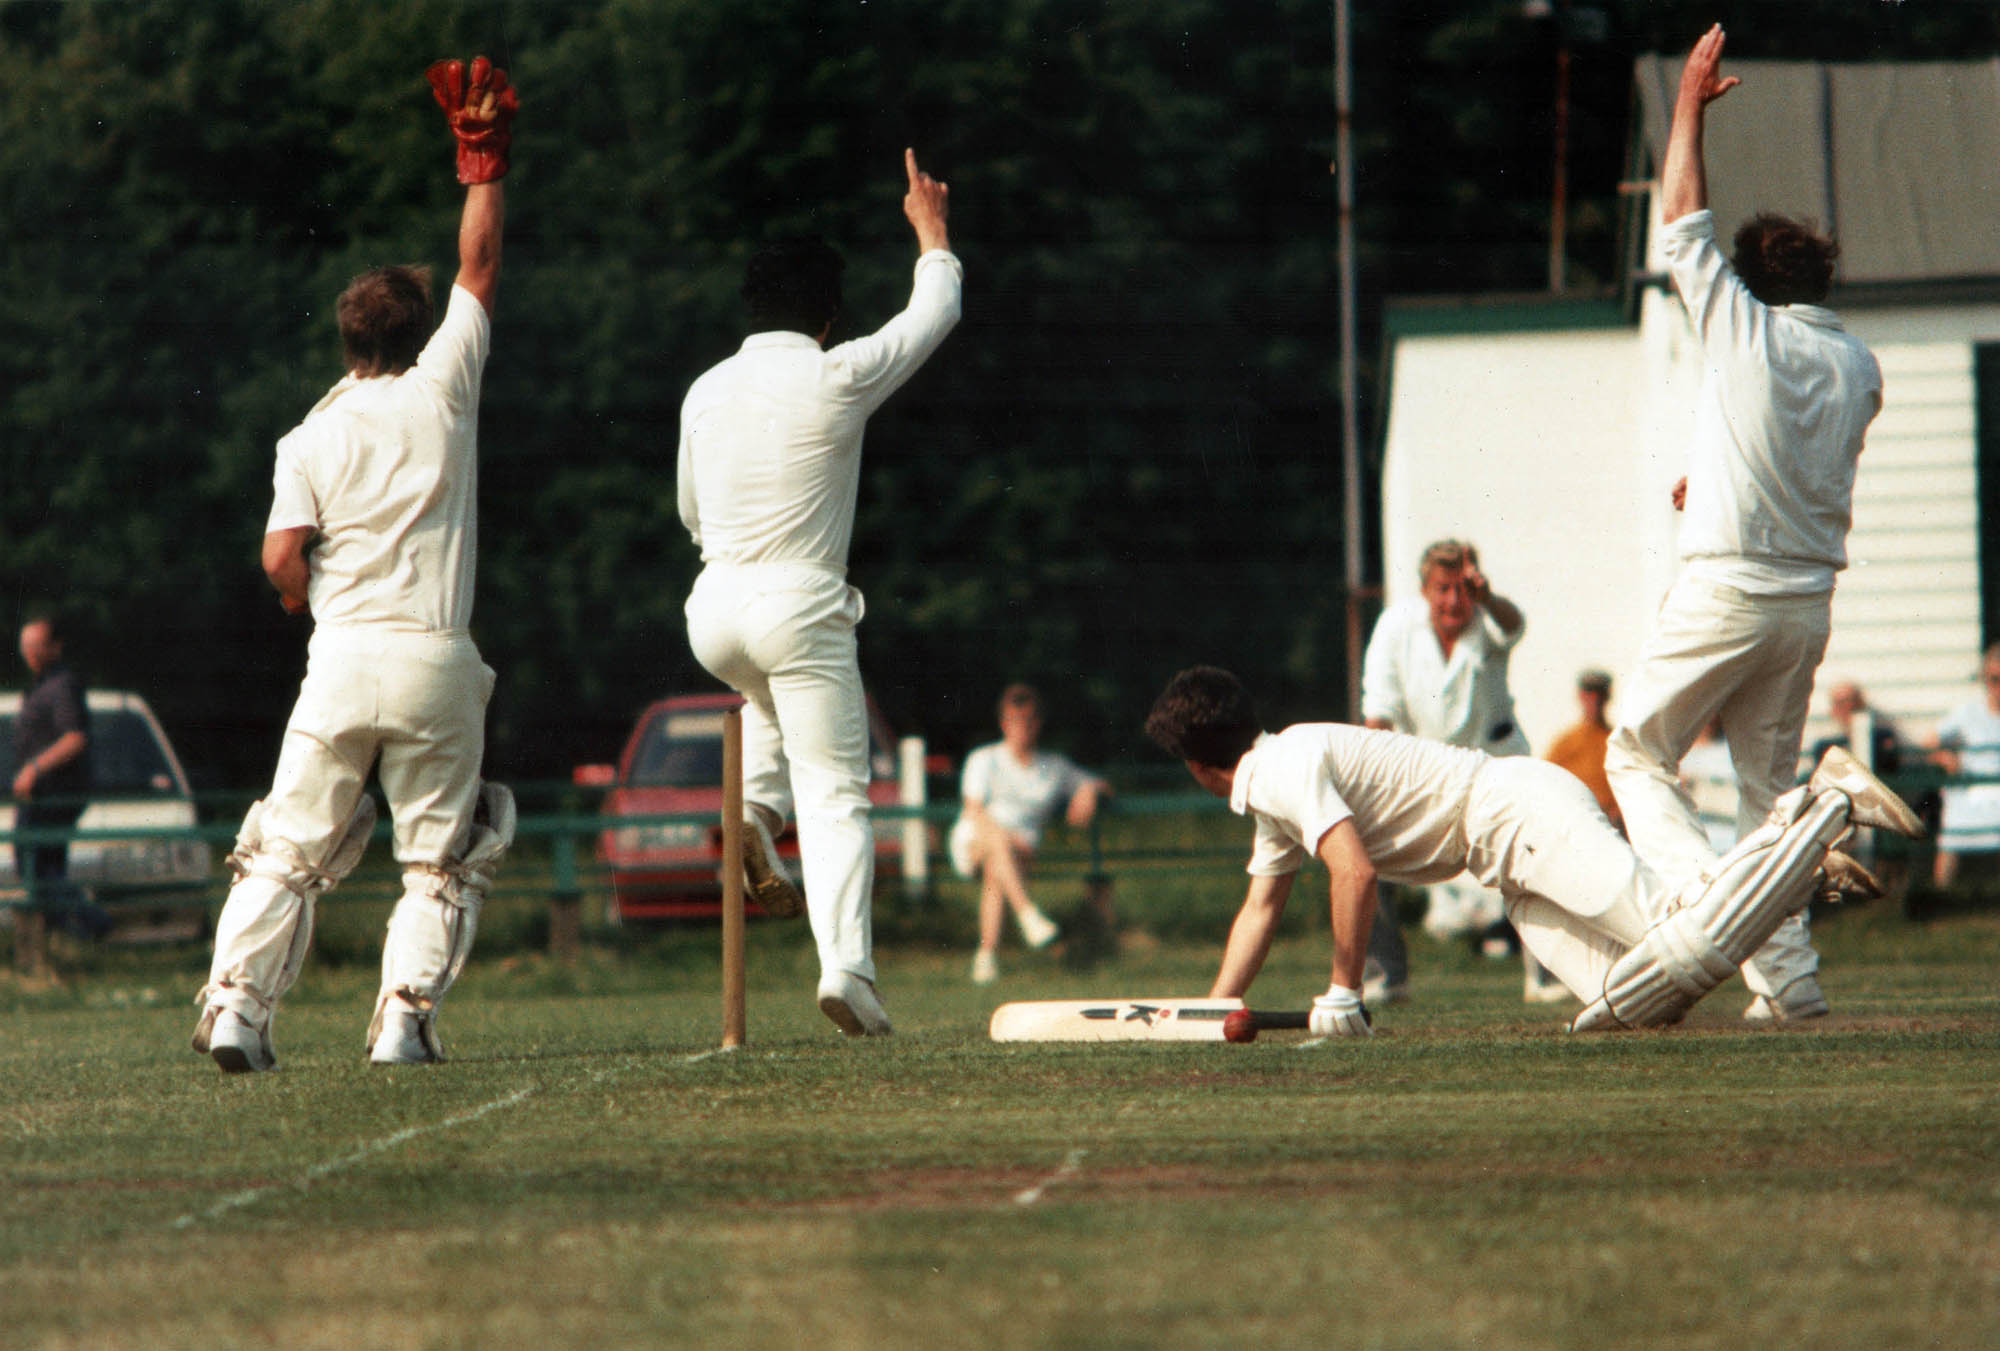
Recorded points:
1573,887
1713,652
414,700
782,636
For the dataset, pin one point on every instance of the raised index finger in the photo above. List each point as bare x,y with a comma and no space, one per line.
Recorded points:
910,164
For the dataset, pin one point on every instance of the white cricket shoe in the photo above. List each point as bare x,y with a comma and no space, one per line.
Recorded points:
1843,878
985,968
234,1045
1871,802
764,873
853,1005
1540,986
1796,1003
403,1037
1376,989
1037,928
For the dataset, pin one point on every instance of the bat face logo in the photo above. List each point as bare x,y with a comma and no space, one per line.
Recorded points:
1133,1013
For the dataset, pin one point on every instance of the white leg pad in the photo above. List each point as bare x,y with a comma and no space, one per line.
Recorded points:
266,926
432,927
261,941
1766,878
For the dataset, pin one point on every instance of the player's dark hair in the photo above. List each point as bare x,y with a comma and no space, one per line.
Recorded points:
385,319
1204,715
1020,695
794,283
1784,261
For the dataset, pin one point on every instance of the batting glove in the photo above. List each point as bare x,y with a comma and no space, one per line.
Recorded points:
1340,1013
481,113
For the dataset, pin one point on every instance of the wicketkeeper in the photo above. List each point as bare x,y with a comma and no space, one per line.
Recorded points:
1638,953
373,530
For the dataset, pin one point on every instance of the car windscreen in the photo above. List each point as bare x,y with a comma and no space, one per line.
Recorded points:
680,750
125,756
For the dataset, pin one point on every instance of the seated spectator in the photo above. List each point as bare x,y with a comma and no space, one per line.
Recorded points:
1580,750
1010,789
1968,744
1845,702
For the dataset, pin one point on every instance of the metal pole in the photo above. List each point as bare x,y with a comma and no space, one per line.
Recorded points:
1350,423
734,1014
1559,198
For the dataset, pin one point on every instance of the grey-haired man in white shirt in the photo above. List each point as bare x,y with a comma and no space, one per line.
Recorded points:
1768,498
769,467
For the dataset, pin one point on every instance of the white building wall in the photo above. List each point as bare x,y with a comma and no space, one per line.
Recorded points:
1524,444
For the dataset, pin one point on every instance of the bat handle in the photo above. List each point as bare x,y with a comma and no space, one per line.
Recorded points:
1280,1019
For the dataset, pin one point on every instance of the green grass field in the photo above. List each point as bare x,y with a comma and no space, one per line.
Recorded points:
587,1171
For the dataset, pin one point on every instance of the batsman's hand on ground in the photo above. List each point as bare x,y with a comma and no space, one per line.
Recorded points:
1340,1013
480,110
1701,83
926,204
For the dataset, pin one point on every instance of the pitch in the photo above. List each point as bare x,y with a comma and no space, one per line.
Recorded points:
590,1170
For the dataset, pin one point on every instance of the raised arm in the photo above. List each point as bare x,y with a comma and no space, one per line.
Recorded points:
926,205
1505,613
1683,178
479,229
479,103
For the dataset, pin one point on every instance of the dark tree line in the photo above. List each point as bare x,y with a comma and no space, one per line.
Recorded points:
1126,458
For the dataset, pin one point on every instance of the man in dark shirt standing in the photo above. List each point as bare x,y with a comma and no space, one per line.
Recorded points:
51,755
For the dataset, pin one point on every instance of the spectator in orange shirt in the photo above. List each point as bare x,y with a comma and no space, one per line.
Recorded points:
1580,750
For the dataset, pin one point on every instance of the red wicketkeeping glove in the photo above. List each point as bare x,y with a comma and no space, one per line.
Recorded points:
481,114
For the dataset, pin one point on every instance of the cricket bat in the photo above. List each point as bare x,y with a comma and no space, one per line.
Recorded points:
1169,1019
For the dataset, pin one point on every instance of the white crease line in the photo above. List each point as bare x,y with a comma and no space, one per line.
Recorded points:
239,1200
329,1166
1068,1169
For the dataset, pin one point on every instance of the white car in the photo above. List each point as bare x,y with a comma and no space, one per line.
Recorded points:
136,782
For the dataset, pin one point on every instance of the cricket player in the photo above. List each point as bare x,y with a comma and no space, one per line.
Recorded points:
373,531
1768,498
769,466
1366,803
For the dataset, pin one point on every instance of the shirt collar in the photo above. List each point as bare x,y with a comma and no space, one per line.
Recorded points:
1239,788
779,337
1817,315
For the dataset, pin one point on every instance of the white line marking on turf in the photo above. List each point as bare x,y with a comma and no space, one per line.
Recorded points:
238,1200
330,1166
1069,1167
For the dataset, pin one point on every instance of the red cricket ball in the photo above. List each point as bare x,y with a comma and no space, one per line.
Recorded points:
1239,1026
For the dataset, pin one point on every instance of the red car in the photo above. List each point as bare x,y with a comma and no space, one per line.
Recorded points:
672,764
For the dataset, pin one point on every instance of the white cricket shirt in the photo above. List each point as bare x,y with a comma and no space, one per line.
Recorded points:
1461,700
1020,797
387,471
1778,426
1406,797
770,446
